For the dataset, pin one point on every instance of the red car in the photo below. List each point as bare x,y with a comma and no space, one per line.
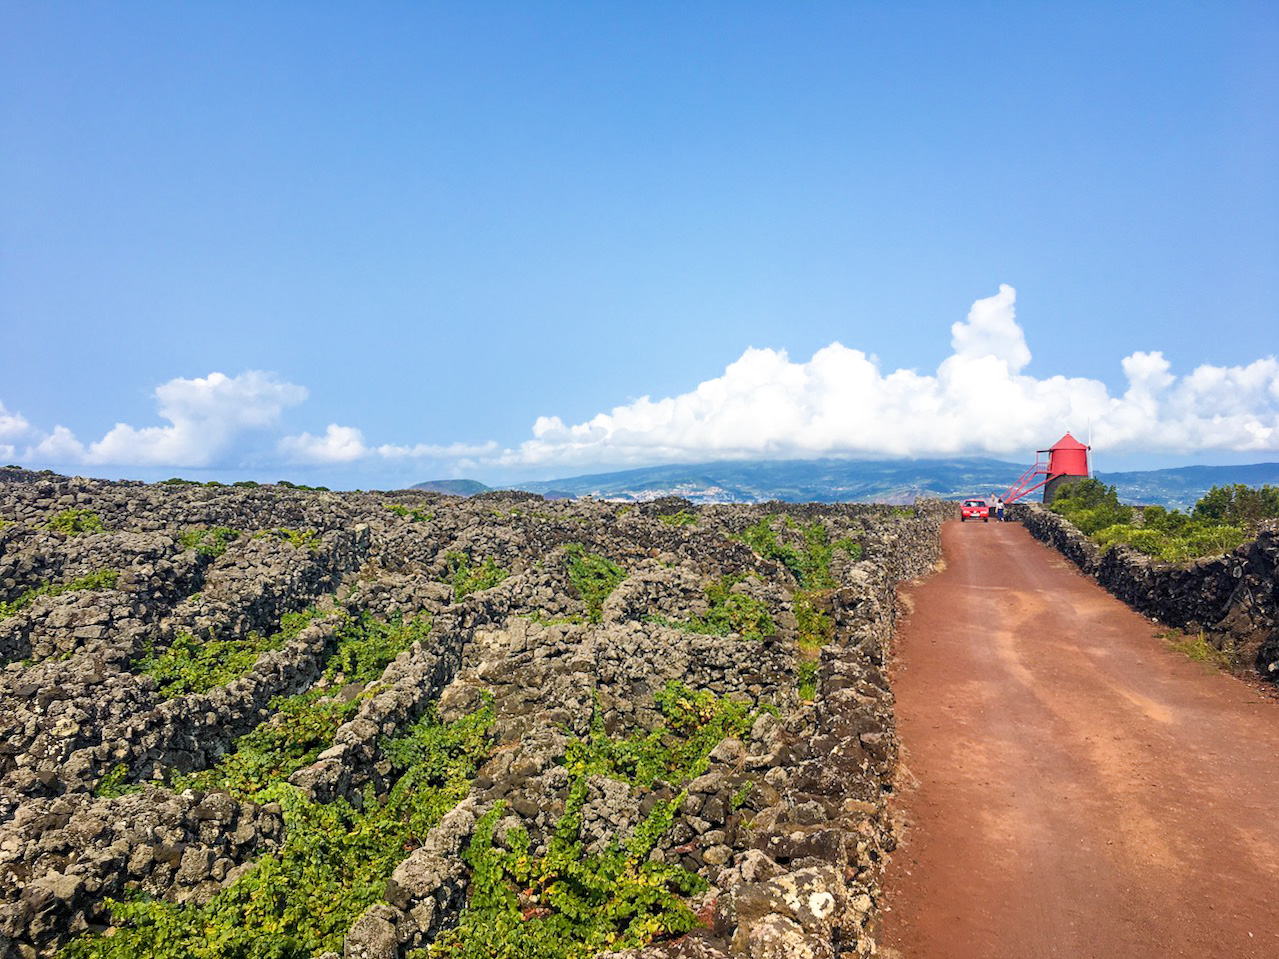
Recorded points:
974,509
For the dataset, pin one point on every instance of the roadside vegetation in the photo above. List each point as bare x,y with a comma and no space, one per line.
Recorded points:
1224,518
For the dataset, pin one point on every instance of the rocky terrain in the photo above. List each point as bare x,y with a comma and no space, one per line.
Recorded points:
1230,599
269,721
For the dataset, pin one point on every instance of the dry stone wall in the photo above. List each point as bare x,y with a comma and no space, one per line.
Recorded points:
1233,598
785,823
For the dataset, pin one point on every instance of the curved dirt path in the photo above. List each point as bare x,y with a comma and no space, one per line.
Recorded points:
1072,787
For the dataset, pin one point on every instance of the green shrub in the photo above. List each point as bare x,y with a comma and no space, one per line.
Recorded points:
334,863
763,539
75,521
303,725
732,612
211,542
102,579
191,665
809,559
1218,524
815,628
467,579
570,904
694,722
806,678
115,783
594,577
1091,506
1238,505
1198,648
307,539
682,518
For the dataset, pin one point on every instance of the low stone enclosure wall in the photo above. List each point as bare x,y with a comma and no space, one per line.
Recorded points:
1233,599
568,627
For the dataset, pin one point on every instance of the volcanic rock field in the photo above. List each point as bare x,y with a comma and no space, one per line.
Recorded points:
279,722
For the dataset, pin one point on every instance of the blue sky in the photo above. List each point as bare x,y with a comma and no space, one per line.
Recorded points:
370,244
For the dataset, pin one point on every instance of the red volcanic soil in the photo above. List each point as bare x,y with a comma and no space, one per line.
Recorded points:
1072,787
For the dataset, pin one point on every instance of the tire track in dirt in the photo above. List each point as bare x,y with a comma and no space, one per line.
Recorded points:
1072,787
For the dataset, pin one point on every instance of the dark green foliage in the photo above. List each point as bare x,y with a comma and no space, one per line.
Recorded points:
593,576
695,722
367,645
570,904
303,726
732,612
1238,505
807,551
412,515
467,579
1091,506
178,481
307,539
75,521
816,629
763,539
114,783
211,542
806,678
808,556
102,579
191,665
247,484
334,863
682,518
1217,524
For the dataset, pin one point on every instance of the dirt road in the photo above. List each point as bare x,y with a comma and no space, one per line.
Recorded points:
1081,790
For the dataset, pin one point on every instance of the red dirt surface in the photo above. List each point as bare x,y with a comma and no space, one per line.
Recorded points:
1072,786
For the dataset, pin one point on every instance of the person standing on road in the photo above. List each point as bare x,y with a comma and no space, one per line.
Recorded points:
999,509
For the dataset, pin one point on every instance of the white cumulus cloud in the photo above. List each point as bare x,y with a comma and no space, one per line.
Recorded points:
979,400
206,416
339,444
12,425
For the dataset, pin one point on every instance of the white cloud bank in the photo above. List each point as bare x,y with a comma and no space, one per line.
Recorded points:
207,416
839,403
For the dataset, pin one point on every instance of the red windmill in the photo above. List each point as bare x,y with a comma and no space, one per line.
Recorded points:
1067,463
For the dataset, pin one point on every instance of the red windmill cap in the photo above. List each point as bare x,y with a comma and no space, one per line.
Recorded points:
1067,442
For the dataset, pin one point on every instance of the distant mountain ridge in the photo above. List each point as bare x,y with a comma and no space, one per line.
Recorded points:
821,481
458,487
879,481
